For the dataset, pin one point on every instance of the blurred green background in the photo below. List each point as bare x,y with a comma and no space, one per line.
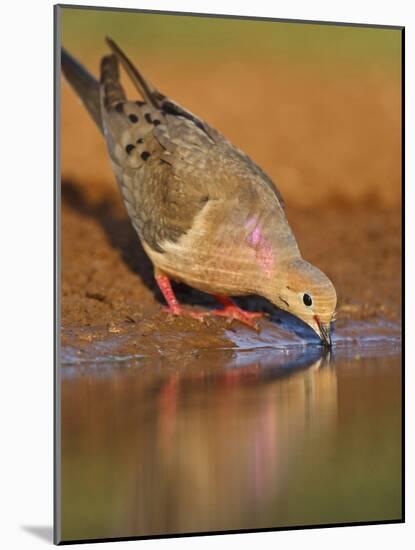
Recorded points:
191,35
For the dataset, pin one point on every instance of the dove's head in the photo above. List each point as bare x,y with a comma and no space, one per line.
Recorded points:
307,293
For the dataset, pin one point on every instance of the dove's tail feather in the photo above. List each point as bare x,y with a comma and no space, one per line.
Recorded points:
84,84
146,89
110,81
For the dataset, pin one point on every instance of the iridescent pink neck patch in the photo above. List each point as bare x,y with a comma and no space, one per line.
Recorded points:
262,246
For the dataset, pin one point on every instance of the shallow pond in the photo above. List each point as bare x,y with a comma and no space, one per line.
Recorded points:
267,433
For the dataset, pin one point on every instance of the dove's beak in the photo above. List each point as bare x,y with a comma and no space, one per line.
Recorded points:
323,332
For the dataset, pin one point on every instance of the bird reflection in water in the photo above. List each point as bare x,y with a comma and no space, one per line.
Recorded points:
168,448
230,437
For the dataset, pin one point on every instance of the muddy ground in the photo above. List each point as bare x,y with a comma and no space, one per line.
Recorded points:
333,146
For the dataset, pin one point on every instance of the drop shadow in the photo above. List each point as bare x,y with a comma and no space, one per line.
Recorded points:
43,532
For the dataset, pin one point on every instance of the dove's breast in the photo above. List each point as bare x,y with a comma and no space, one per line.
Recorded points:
226,251
206,259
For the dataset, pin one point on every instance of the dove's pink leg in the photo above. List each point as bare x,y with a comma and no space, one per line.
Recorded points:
232,311
173,305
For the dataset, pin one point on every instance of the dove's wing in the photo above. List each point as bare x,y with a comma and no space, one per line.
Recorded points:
159,101
158,162
171,166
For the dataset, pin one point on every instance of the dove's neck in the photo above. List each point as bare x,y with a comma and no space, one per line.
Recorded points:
272,247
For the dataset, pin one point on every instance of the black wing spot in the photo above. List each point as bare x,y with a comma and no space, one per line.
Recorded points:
140,140
156,122
147,116
139,103
119,107
145,155
130,147
133,118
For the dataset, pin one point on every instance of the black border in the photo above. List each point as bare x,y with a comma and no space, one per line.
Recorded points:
56,277
56,274
233,532
227,16
403,384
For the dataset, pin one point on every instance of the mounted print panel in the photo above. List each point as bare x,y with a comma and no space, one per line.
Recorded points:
229,296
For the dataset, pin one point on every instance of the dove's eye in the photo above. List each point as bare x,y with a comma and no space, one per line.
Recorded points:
307,300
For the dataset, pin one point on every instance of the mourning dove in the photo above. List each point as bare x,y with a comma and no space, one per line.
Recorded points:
205,213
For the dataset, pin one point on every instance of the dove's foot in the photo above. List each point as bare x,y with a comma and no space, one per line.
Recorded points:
233,312
173,307
230,310
186,312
